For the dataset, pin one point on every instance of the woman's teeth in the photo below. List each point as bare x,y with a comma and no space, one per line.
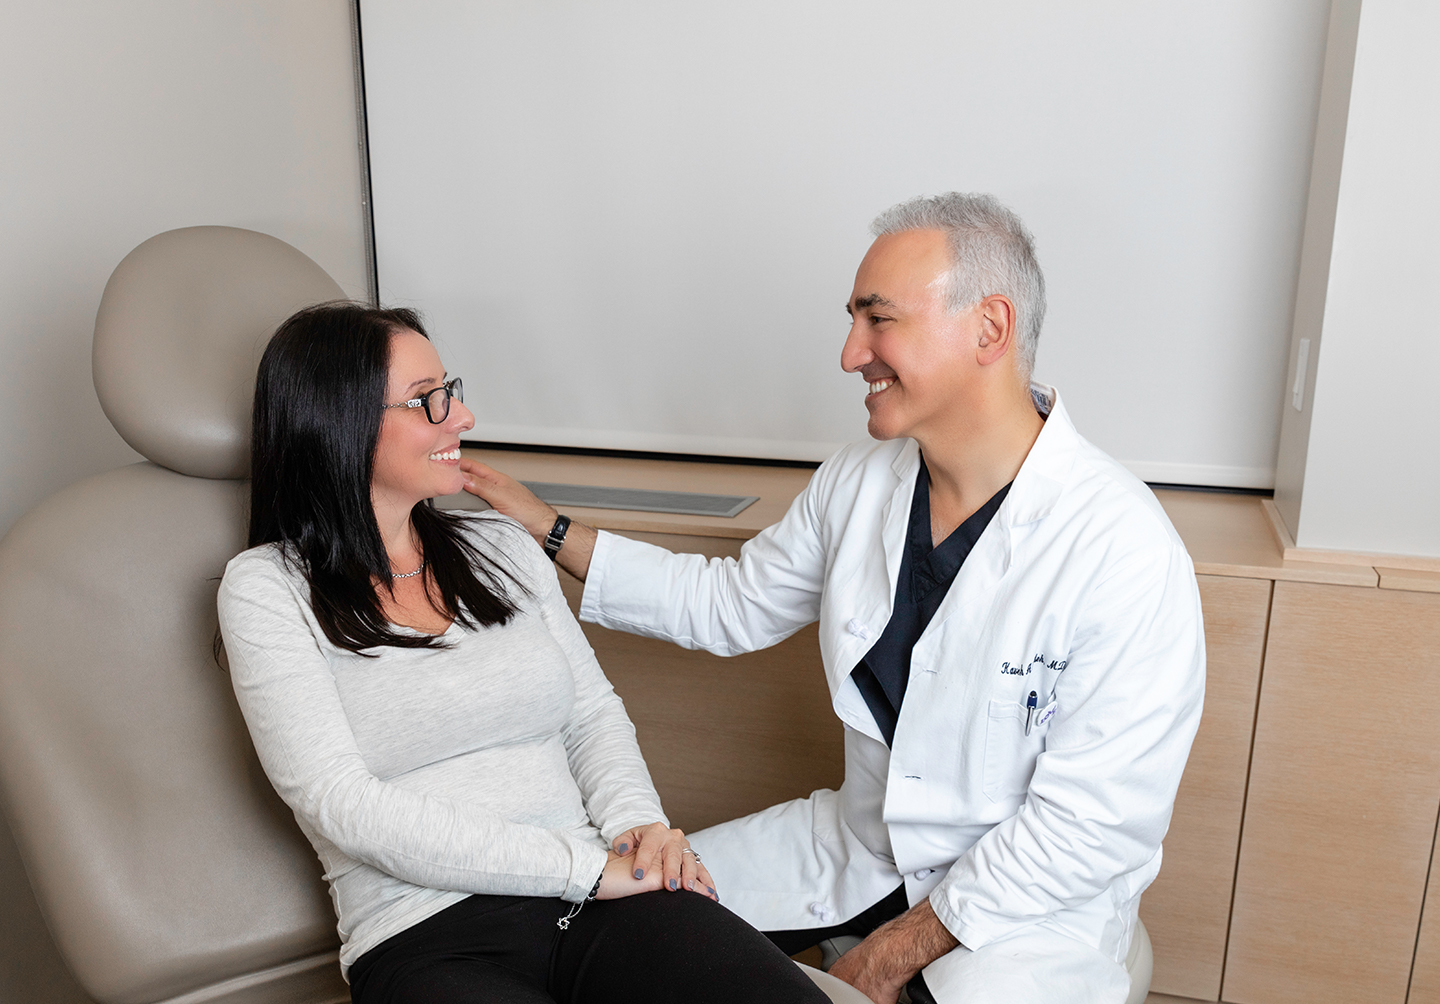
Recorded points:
877,386
447,455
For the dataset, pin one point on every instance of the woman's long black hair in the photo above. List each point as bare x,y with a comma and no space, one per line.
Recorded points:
319,399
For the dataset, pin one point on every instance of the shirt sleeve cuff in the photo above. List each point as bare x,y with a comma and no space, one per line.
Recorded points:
968,926
591,600
586,863
940,903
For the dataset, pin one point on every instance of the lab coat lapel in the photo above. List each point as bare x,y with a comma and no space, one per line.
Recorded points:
894,523
1046,471
895,519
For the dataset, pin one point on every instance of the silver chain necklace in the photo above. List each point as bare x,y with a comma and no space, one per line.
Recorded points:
409,575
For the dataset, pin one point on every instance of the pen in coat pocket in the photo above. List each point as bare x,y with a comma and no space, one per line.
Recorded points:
1030,704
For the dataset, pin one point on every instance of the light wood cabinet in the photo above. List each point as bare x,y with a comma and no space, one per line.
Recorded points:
1187,909
1344,790
1425,976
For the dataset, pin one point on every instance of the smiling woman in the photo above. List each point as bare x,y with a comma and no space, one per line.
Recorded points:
420,695
417,457
342,479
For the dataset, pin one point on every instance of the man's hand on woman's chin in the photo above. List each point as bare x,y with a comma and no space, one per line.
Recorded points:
510,497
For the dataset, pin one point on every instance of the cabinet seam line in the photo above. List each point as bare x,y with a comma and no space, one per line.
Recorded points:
1245,801
1424,899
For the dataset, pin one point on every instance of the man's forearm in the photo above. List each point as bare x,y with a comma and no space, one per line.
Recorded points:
576,552
913,940
884,962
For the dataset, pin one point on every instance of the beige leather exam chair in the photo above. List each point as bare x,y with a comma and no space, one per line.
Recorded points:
166,867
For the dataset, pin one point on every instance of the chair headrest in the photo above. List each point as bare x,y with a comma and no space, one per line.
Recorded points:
181,327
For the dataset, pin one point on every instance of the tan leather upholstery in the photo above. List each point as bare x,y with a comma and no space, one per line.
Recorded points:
166,866
179,334
162,860
161,856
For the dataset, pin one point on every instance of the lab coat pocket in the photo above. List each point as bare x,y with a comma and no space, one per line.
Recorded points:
1009,753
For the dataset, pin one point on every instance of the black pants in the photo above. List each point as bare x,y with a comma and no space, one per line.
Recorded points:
671,947
860,926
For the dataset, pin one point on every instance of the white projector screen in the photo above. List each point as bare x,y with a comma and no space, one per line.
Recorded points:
633,224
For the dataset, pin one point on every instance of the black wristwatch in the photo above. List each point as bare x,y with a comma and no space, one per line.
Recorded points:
555,539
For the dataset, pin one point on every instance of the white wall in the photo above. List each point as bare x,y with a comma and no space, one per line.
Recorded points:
121,120
657,209
1371,472
118,121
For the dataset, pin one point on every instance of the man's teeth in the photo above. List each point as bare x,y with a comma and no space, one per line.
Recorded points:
447,455
876,386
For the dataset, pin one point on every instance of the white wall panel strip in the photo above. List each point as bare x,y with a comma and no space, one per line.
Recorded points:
1372,476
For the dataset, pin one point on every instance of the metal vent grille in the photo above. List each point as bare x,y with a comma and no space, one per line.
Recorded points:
641,499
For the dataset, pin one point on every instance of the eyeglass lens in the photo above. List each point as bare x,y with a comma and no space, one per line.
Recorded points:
437,402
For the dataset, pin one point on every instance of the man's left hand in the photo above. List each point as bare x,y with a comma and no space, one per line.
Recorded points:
881,965
508,496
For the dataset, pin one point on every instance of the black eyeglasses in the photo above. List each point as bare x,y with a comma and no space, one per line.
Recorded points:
436,402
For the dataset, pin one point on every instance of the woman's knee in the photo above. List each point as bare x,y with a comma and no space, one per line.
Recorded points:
679,945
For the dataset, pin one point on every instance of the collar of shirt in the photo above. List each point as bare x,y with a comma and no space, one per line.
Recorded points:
926,574
931,566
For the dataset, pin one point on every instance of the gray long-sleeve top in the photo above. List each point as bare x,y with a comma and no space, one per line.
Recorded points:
503,763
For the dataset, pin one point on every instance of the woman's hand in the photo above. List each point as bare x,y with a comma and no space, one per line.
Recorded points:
658,851
508,496
618,879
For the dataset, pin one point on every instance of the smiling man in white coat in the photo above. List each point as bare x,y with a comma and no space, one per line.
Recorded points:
1010,629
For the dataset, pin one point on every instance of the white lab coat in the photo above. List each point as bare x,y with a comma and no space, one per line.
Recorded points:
1079,590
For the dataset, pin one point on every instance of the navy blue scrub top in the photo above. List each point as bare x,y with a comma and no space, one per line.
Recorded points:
925,576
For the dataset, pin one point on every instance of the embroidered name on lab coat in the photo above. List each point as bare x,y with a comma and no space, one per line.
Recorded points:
1020,668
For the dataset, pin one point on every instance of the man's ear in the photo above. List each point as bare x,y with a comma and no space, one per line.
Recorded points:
996,315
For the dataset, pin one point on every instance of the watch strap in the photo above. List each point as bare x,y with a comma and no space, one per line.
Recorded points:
555,539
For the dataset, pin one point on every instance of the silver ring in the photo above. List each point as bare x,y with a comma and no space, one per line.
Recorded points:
689,851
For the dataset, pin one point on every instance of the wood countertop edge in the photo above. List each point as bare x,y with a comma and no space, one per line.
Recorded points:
1290,571
1333,575
1276,558
1409,579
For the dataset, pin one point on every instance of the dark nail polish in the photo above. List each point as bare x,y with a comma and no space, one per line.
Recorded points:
674,885
712,889
639,873
623,850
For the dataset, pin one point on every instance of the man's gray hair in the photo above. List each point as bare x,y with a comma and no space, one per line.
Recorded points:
991,252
